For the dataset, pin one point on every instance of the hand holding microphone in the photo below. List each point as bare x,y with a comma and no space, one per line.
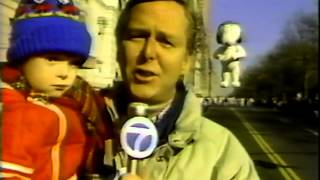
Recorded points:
139,136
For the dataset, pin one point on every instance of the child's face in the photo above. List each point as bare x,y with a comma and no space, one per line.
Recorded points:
52,74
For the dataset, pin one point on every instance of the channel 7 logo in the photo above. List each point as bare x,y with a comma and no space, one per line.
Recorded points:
139,137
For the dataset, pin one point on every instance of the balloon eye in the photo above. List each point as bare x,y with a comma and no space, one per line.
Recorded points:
39,1
64,1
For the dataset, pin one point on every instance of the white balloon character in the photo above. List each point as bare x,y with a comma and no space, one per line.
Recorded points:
229,53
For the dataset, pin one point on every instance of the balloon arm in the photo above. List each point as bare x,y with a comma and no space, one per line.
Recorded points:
230,53
240,52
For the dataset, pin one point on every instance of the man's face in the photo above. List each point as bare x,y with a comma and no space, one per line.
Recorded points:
51,74
155,50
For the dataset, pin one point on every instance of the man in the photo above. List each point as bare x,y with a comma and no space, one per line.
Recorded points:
155,47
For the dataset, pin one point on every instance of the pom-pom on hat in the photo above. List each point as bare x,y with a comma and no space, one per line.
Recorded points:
46,26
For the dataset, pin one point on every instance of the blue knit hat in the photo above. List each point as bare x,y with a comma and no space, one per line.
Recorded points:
44,26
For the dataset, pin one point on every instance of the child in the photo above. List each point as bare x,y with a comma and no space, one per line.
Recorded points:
44,135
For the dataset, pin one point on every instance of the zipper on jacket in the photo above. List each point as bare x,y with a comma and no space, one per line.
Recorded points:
55,151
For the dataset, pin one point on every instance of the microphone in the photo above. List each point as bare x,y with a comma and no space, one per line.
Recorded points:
139,136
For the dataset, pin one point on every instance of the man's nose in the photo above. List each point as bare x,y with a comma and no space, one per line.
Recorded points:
150,49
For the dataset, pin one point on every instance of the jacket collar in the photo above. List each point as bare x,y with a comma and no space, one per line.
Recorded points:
188,124
187,129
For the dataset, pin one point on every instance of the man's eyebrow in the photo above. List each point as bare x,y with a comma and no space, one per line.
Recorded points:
142,31
161,34
136,30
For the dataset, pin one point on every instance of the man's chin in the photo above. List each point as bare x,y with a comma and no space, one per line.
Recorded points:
142,93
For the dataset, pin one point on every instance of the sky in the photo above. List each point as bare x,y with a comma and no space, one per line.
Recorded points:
262,21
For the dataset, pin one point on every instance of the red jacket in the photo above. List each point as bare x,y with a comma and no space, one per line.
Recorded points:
39,141
51,141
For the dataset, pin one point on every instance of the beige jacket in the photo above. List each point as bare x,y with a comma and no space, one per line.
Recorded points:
198,149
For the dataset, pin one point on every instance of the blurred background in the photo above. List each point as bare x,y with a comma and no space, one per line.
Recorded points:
280,37
275,112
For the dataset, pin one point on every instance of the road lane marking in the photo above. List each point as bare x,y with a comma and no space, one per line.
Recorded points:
287,173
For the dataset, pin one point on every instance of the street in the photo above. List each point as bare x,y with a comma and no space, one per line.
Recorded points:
281,147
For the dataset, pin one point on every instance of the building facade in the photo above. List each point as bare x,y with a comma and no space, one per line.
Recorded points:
7,10
101,69
201,75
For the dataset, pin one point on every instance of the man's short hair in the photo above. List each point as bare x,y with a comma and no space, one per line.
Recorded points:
189,13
